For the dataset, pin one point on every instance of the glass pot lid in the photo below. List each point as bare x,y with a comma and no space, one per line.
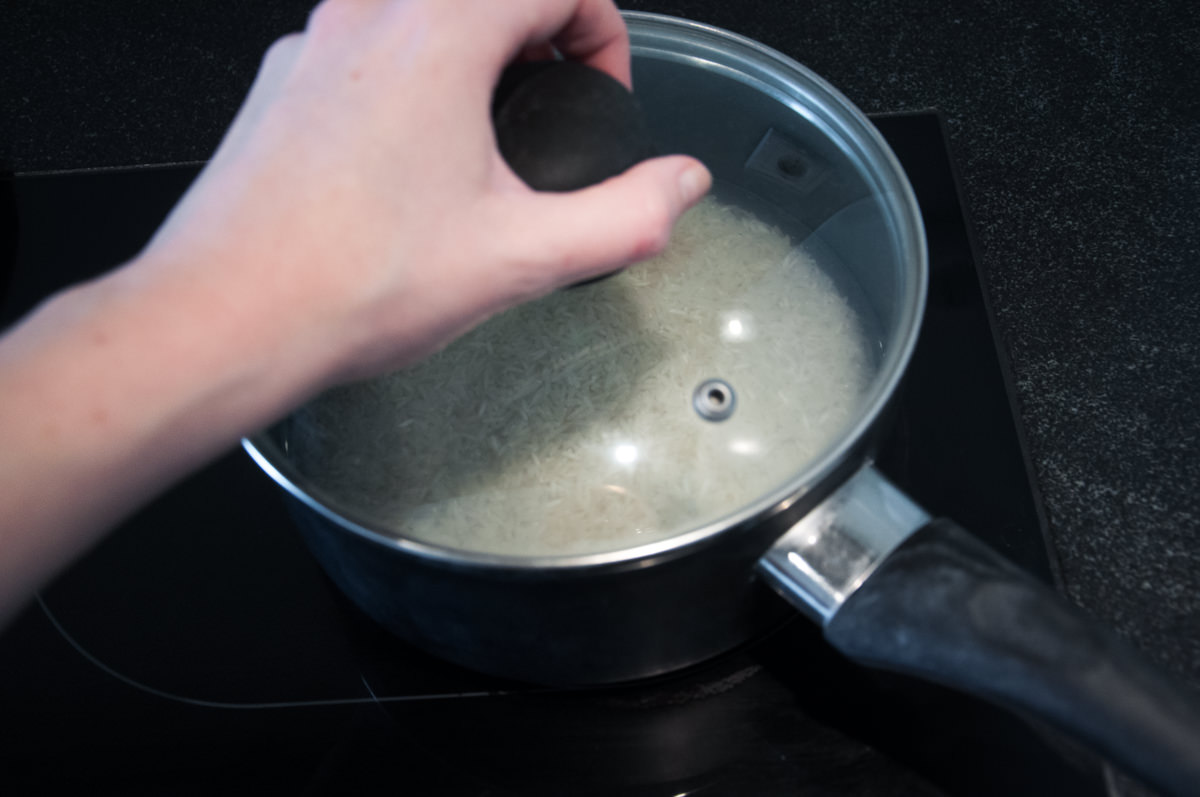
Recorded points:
676,393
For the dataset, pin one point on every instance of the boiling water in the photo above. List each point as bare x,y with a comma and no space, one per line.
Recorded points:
567,426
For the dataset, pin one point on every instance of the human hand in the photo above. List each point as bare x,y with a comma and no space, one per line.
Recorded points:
356,217
359,203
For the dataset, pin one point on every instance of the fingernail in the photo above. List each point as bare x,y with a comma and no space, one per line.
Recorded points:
694,183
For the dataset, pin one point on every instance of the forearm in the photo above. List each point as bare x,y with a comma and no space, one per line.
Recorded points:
111,391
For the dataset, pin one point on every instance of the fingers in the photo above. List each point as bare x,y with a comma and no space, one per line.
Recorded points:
595,34
483,34
565,238
591,31
537,52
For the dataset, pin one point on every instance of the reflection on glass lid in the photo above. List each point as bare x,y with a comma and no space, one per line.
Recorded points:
605,416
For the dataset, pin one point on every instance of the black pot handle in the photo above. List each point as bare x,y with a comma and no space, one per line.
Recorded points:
945,607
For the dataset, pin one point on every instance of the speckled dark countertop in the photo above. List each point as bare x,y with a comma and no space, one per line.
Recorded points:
1077,128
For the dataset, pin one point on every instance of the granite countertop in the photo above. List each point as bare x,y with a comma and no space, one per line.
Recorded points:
1077,129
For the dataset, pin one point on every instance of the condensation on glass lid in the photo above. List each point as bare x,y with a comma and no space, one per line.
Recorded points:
569,425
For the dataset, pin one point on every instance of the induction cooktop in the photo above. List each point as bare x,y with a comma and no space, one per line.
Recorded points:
200,647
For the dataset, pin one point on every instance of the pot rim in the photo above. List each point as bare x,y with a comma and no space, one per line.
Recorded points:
786,79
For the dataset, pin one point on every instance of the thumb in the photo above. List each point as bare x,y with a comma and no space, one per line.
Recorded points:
610,225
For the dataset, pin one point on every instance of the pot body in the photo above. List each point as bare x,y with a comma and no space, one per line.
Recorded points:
786,146
565,626
552,626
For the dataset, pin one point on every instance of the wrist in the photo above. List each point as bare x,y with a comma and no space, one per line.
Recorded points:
233,350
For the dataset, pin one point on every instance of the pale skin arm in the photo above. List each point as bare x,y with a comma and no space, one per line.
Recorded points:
356,218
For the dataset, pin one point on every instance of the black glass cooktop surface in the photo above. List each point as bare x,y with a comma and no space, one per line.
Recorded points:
200,647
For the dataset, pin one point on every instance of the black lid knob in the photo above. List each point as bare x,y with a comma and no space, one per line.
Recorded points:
562,125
